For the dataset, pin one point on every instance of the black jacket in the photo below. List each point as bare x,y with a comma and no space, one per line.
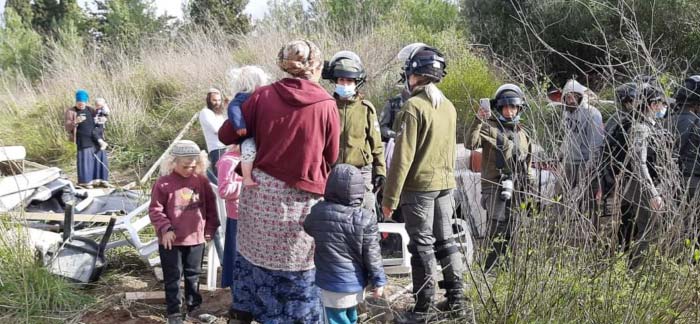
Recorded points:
687,125
347,254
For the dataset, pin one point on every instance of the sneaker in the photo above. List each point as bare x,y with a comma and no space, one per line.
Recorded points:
198,315
175,318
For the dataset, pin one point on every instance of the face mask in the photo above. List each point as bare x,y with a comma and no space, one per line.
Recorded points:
345,91
661,113
513,120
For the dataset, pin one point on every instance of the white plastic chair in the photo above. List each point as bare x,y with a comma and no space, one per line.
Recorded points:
130,225
402,265
213,262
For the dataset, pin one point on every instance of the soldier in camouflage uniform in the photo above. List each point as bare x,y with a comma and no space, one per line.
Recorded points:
360,141
507,156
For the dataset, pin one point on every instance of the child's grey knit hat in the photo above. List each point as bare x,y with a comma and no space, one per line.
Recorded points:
185,148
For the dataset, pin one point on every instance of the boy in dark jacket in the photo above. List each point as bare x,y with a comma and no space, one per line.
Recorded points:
347,253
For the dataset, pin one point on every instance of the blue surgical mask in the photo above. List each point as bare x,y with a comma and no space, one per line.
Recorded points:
345,91
661,113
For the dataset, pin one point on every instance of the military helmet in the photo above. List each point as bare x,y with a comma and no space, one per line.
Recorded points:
421,59
626,93
652,93
345,64
690,91
509,95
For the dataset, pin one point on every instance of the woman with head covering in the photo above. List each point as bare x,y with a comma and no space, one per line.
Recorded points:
79,122
296,128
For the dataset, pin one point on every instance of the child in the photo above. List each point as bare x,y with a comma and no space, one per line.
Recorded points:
183,212
243,82
229,189
347,253
101,113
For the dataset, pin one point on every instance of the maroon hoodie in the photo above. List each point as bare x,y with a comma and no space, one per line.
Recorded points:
297,130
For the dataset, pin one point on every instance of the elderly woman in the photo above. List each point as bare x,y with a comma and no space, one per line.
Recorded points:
296,128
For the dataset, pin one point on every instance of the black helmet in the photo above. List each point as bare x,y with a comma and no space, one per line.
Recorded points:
652,93
626,93
509,94
690,91
421,59
344,64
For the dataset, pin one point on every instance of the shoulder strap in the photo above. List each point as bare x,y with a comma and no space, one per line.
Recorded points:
369,105
500,156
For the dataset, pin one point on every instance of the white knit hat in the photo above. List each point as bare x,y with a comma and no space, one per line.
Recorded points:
185,148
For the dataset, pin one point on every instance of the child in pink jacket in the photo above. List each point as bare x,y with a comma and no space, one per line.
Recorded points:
230,184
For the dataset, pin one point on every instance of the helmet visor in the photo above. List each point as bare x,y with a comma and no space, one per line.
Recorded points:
517,102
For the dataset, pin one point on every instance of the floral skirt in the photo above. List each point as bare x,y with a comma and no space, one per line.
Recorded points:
274,296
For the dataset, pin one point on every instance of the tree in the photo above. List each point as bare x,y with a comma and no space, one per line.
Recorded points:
584,37
20,47
228,14
50,15
127,22
23,9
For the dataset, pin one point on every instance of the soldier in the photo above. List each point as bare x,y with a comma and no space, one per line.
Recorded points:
507,155
630,160
687,126
422,177
360,141
389,113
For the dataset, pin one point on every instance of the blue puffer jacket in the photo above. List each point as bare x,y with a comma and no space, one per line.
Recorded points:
347,254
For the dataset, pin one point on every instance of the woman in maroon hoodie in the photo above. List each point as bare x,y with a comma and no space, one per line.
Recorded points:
296,128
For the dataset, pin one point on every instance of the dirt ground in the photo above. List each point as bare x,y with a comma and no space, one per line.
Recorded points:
115,309
128,273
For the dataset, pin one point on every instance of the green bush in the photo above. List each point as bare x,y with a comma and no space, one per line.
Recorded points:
28,292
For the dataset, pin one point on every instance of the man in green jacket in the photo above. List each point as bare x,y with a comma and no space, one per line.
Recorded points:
421,177
360,141
505,166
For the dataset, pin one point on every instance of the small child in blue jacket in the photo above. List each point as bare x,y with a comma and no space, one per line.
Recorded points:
243,82
347,254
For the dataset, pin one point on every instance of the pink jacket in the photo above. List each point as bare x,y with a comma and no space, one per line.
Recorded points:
230,182
185,205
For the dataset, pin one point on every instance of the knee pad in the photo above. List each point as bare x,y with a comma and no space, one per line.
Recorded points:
445,248
420,249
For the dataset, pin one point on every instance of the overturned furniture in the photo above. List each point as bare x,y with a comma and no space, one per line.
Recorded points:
79,258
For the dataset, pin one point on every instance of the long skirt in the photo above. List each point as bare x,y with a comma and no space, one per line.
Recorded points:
276,297
101,166
92,165
86,165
